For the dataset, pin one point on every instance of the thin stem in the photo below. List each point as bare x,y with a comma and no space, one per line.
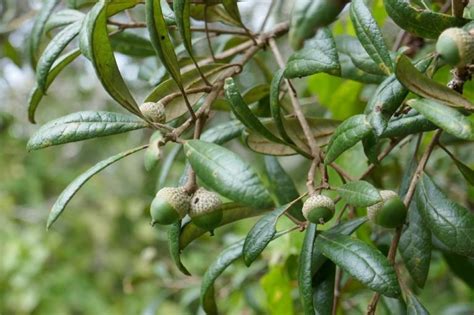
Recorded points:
208,38
267,16
457,7
337,290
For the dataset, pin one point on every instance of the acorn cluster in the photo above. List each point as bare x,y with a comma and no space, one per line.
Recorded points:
456,46
171,204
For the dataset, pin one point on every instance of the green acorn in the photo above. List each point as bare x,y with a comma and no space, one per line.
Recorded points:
390,212
318,209
206,209
456,46
155,112
169,205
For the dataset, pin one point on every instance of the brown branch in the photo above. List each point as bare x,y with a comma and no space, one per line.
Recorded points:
457,7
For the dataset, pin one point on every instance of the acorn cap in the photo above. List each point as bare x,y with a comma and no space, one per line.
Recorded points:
390,212
155,112
456,46
169,205
318,209
205,209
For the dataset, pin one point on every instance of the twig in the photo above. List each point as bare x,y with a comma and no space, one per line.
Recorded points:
208,38
337,290
267,16
457,7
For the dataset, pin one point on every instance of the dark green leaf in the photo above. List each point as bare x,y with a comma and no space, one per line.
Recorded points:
323,289
75,185
350,71
420,84
420,21
96,46
452,224
81,126
318,55
52,52
370,35
359,193
226,173
346,136
275,105
407,125
447,118
131,44
305,284
371,148
174,233
465,170
415,246
361,261
461,266
414,307
36,94
223,133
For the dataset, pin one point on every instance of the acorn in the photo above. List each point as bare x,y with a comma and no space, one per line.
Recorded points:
169,205
206,209
318,209
390,212
155,112
456,46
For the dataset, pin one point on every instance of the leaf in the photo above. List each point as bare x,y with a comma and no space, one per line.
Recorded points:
231,7
243,112
96,46
38,29
318,55
261,234
447,118
462,267
81,126
160,39
359,193
370,35
414,307
420,21
225,259
36,94
415,246
52,52
452,224
423,86
361,261
351,72
223,133
304,270
226,173
232,212
63,18
131,44
310,15
321,128
346,136
323,288
174,233
77,183
345,228
275,105
407,125
283,187
153,152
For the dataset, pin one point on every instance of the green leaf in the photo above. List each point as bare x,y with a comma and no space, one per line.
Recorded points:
275,105
261,234
414,307
423,86
76,184
63,18
174,233
462,267
305,284
226,173
447,118
407,125
131,44
452,224
345,228
232,212
321,129
310,15
323,289
231,7
81,126
160,39
346,136
36,94
283,187
225,259
96,46
318,55
152,153
359,193
361,261
52,52
243,112
465,170
38,29
415,246
370,35
223,133
350,71
420,21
